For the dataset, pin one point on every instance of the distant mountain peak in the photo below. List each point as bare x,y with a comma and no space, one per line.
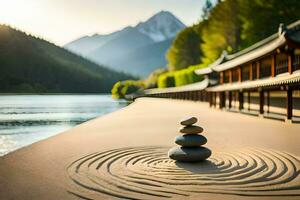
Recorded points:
134,49
161,26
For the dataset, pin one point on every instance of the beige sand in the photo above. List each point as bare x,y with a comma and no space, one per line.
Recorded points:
124,154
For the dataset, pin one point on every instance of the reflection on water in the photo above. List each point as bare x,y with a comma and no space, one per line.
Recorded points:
25,119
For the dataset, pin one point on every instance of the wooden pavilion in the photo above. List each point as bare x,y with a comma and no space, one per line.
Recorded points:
263,79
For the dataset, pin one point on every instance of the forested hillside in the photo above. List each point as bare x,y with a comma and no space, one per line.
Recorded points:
29,64
229,25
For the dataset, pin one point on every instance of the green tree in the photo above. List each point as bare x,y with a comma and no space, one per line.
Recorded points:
261,18
184,50
122,88
166,80
151,81
222,31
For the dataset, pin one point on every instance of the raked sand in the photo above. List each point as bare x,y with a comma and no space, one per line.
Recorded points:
124,155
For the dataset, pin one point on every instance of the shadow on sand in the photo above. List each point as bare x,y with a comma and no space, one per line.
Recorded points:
197,167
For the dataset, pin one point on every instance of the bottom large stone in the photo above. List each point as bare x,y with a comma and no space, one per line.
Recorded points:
189,154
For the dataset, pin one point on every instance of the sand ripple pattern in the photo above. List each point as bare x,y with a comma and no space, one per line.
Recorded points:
147,173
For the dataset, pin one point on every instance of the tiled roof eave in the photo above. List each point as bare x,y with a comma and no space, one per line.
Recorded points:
252,55
279,80
186,88
209,68
203,71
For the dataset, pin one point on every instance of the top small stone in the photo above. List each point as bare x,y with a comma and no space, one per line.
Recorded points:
188,121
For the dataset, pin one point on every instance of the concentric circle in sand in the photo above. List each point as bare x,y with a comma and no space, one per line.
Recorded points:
147,173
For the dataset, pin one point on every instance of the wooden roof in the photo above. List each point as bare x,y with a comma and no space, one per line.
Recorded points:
209,68
186,88
286,35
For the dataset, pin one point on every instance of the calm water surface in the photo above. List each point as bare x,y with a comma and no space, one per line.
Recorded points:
25,119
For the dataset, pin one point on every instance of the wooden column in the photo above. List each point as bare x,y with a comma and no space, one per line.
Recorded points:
251,72
215,99
221,77
222,100
230,76
290,63
230,99
261,102
268,101
258,70
239,74
241,101
289,104
273,65
248,100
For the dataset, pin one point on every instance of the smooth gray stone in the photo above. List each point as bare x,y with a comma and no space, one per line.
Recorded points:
189,154
188,121
191,129
190,140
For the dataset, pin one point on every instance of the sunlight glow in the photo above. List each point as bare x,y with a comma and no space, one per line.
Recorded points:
61,21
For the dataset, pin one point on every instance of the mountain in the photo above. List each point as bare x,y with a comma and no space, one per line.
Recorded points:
109,52
87,44
140,57
136,50
30,64
161,26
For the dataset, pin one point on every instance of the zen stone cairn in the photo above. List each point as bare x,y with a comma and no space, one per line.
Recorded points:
191,142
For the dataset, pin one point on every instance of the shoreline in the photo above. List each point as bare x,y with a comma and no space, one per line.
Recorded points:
148,126
8,94
26,119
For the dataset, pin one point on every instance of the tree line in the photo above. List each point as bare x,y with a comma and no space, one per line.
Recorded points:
230,25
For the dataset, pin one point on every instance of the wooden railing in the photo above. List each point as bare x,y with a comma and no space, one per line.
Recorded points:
245,73
254,71
282,66
188,95
296,63
265,71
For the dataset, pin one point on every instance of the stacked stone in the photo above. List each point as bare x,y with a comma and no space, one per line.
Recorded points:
191,142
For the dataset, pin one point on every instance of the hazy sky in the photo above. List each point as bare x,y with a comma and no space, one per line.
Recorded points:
61,21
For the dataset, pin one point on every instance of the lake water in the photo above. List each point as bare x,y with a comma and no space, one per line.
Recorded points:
25,119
